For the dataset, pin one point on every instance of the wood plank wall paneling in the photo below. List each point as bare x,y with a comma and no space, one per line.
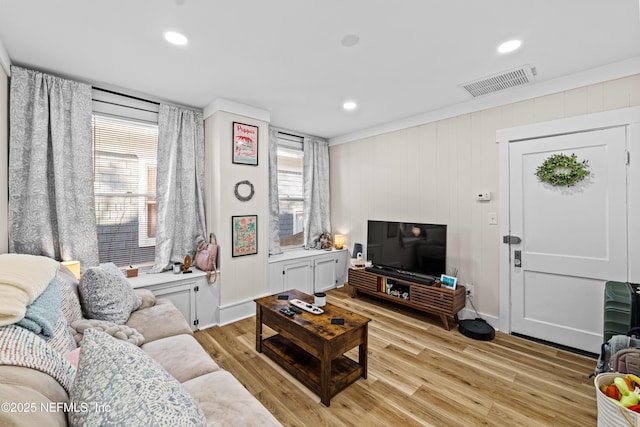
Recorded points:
420,375
244,277
431,172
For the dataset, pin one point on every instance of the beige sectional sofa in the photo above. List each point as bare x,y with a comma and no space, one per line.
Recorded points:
30,397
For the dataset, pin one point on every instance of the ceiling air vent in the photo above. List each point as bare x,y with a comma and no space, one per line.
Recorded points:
507,79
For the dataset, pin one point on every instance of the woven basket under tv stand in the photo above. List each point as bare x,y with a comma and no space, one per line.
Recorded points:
431,299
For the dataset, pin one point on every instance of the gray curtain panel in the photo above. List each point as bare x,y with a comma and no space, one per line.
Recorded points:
180,185
316,218
51,195
274,205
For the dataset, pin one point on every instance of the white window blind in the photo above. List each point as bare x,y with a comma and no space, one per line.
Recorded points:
290,189
125,161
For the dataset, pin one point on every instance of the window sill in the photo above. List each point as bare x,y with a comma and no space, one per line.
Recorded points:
148,279
292,254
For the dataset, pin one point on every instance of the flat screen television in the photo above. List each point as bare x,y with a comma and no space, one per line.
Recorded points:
408,249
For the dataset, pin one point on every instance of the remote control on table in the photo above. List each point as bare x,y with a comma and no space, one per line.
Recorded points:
287,312
295,309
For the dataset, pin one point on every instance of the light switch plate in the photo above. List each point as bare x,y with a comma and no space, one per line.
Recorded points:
493,218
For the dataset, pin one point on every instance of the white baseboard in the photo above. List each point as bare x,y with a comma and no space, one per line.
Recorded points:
211,325
237,311
243,309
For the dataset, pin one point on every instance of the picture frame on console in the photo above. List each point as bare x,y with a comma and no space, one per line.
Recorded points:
448,282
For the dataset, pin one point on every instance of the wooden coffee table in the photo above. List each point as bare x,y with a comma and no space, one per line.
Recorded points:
310,347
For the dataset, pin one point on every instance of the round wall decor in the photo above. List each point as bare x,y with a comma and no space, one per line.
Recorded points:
244,197
561,170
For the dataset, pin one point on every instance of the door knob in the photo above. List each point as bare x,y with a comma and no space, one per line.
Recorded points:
517,259
511,240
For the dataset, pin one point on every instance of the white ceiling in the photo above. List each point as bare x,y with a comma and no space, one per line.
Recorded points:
285,56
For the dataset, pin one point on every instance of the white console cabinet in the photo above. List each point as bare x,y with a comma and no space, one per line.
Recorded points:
308,271
295,275
191,293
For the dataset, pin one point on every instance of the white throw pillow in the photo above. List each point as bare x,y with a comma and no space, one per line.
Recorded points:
119,384
107,296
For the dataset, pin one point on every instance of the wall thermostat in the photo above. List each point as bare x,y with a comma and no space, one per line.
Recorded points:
483,197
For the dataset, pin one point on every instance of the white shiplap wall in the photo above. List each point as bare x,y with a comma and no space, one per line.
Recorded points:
242,278
430,173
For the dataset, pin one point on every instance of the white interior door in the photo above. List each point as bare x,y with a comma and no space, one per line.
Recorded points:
572,239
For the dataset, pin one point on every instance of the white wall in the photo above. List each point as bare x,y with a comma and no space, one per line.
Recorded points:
4,160
431,172
242,278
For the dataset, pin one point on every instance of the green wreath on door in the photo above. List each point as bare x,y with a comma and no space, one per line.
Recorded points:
561,170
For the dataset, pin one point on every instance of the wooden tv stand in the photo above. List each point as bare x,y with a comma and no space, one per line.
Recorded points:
431,299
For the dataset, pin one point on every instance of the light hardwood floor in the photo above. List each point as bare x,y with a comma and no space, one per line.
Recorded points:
420,375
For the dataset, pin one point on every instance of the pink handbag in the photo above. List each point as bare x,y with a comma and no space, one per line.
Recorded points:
206,257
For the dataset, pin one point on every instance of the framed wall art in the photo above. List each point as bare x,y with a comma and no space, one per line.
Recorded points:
244,235
245,144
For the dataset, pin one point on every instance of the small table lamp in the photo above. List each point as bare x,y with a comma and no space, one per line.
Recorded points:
74,267
338,241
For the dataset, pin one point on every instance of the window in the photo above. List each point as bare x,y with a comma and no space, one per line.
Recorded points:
290,189
125,159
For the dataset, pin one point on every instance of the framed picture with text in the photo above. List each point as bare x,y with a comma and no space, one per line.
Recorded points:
244,235
245,144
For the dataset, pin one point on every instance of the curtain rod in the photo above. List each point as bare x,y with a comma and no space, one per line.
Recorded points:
294,133
290,134
138,98
126,106
125,95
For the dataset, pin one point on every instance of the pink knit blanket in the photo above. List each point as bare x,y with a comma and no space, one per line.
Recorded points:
21,347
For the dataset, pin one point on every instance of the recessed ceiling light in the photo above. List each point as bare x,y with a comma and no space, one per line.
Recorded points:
176,38
350,40
509,46
349,105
